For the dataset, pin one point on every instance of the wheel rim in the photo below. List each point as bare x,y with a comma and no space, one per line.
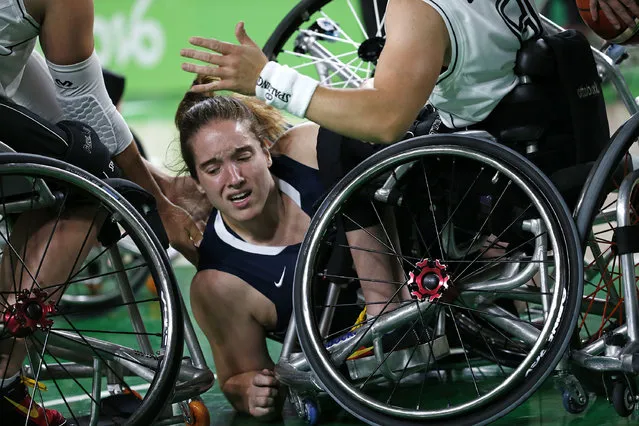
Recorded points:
68,337
316,345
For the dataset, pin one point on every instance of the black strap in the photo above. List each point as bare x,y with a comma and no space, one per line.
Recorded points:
627,239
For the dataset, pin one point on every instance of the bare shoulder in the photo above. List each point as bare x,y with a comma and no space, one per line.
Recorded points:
35,8
299,143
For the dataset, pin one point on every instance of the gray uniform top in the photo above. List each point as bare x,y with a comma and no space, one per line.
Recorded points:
485,36
18,34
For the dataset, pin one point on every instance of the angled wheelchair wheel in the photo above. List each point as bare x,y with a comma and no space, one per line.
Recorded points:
604,309
57,223
102,292
330,41
606,217
478,258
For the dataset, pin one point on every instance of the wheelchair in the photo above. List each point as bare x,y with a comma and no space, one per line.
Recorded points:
134,373
508,288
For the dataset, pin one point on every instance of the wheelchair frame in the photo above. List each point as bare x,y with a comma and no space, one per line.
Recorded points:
173,379
293,367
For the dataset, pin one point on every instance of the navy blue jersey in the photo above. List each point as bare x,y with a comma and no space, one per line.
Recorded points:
268,269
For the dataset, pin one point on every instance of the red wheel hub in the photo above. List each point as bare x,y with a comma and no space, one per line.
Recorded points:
29,312
429,279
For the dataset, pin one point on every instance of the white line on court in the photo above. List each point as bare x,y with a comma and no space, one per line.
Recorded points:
77,398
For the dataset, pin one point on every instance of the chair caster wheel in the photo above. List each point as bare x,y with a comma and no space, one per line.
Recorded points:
572,405
312,412
623,397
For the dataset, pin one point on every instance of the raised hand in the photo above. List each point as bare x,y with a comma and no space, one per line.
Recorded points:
234,67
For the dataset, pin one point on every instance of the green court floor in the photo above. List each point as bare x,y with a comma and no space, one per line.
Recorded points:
543,408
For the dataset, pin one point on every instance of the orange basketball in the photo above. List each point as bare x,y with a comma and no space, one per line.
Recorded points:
604,29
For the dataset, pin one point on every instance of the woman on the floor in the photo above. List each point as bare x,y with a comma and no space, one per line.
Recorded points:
262,182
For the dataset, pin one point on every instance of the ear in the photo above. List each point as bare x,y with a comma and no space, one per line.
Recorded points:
269,158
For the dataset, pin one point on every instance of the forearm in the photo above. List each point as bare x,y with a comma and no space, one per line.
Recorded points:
135,169
371,115
163,179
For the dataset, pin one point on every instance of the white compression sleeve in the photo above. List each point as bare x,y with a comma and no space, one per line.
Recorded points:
83,97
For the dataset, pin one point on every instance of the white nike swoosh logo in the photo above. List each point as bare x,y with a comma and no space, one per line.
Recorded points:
279,283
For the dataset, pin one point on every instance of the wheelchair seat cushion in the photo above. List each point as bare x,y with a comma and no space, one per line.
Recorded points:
70,141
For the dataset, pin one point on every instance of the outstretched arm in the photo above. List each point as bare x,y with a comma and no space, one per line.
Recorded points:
66,37
226,307
416,48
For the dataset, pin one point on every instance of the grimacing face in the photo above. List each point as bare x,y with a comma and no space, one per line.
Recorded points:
232,167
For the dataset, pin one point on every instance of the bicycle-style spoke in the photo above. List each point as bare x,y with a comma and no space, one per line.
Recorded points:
331,59
357,18
79,257
374,237
389,239
106,274
483,225
461,340
70,376
431,208
337,71
339,28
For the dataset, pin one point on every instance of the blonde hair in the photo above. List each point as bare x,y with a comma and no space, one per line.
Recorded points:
197,109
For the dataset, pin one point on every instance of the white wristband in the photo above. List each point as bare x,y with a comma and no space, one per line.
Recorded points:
285,88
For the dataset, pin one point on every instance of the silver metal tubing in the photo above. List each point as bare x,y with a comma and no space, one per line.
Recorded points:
505,284
289,340
197,382
381,325
96,391
60,371
507,321
597,363
129,299
190,338
329,310
299,380
627,260
536,227
598,346
382,194
453,251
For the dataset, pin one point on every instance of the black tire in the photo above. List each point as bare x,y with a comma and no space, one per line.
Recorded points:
623,397
532,372
70,348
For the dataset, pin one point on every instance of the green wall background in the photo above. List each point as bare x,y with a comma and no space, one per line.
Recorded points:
142,38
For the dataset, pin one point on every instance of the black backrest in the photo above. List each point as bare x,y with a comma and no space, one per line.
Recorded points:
556,115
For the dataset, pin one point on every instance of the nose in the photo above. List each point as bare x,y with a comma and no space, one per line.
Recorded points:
235,177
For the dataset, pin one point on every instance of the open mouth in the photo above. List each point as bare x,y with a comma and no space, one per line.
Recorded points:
240,196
